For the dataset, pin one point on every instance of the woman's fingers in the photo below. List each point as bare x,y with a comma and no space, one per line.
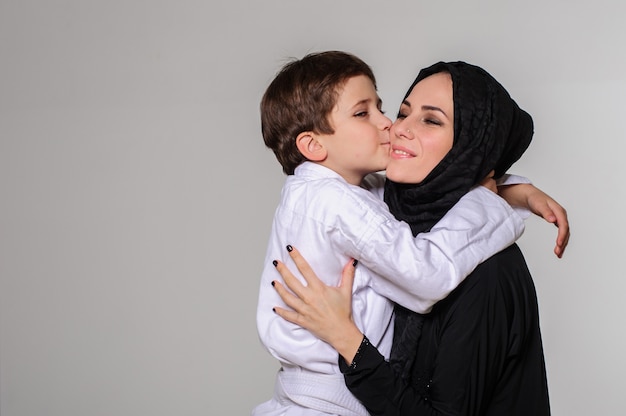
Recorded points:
313,283
347,277
324,310
290,280
304,268
294,315
287,315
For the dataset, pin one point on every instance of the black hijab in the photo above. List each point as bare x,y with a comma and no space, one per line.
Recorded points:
490,133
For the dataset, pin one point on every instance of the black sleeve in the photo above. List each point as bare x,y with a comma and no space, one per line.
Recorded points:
462,366
373,382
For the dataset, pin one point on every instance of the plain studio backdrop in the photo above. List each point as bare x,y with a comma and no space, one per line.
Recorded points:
136,194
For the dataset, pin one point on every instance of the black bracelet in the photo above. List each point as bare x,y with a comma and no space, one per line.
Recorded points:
364,343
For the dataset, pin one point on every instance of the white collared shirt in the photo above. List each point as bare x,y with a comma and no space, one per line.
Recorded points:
330,221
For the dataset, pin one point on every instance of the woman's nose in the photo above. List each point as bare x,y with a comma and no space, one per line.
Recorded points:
401,129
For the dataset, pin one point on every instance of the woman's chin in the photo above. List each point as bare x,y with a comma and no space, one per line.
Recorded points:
403,174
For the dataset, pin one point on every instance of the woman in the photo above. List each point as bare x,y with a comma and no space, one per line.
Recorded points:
479,351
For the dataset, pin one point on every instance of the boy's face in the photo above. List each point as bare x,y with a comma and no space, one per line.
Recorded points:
360,144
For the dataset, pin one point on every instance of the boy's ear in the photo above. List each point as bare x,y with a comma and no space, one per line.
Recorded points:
310,147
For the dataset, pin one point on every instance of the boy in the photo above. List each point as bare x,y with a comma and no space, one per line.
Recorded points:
321,116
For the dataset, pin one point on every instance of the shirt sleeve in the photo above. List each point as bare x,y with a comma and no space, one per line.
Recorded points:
512,179
418,272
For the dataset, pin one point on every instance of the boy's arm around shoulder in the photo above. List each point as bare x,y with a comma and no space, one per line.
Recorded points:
526,198
417,272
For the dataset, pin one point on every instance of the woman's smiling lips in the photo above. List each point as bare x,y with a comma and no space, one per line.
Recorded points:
399,152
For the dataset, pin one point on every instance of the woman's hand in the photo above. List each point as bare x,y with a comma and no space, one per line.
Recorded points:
324,310
541,204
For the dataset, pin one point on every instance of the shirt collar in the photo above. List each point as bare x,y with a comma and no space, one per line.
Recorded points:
311,169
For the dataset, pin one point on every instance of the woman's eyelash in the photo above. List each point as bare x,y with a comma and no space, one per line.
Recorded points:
432,121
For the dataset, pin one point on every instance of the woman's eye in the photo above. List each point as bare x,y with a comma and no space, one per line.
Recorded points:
433,121
401,115
361,114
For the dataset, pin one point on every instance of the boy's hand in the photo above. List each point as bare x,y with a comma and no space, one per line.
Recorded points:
544,206
541,204
324,310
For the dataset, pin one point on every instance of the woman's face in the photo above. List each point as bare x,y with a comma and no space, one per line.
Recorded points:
424,130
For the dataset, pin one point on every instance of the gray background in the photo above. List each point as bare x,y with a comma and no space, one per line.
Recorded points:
136,194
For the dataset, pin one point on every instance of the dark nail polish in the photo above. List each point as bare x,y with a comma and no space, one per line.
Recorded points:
275,263
289,248
274,310
355,262
273,283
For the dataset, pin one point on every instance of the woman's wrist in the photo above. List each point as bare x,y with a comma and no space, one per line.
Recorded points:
357,357
348,345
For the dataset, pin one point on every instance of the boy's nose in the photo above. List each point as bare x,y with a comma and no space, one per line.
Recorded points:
385,122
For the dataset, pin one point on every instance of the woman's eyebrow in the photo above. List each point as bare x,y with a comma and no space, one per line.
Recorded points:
433,108
426,107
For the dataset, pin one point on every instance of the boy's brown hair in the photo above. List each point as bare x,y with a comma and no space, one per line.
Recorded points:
301,97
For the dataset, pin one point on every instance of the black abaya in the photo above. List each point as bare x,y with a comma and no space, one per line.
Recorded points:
480,352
